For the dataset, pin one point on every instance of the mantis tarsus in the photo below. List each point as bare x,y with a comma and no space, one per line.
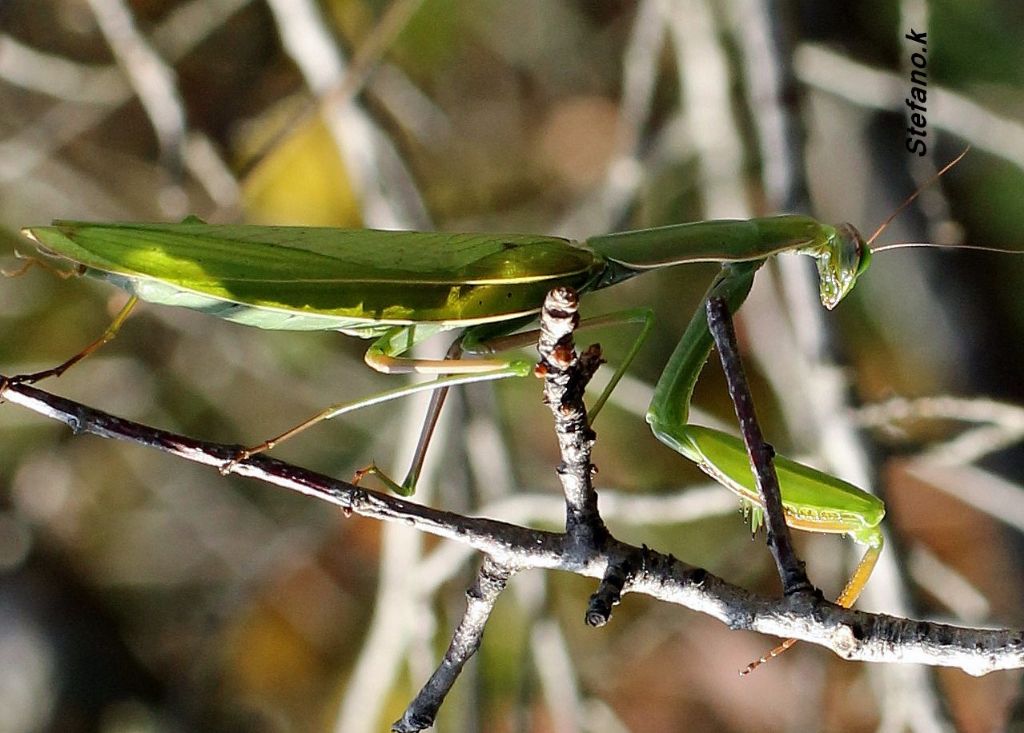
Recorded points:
401,288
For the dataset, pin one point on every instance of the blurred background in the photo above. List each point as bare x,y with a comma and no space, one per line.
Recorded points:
140,593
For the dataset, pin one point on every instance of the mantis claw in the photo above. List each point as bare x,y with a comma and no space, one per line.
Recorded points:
242,455
247,453
362,473
374,470
7,382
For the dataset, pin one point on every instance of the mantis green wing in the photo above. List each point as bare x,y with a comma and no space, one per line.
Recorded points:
360,282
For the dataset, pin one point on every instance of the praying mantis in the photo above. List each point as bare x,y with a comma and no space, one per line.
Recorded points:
400,288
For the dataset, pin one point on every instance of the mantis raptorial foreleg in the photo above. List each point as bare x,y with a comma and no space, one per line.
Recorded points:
812,500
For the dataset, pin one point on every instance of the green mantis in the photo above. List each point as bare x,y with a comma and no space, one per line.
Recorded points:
399,288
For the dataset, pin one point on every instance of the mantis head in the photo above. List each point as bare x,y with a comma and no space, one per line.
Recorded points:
840,262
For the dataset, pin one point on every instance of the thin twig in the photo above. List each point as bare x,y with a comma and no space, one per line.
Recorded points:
182,30
565,377
558,677
402,611
346,87
708,108
422,711
609,592
625,508
976,487
762,455
602,209
58,77
1000,424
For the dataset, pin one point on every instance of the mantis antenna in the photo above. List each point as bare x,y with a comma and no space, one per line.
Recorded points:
933,245
909,200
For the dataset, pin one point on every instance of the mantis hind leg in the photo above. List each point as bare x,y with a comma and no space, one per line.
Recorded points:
108,335
430,419
385,355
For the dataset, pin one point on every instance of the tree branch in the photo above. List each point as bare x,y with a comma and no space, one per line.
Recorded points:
851,634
